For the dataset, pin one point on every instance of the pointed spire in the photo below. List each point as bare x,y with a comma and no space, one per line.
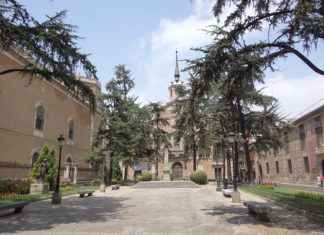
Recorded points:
177,71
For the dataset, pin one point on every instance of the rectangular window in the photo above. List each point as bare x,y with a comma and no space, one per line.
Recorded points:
277,167
268,168
286,142
318,131
302,136
289,166
306,164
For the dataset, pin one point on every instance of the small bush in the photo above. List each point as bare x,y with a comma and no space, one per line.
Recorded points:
199,177
266,186
310,196
145,176
95,182
18,186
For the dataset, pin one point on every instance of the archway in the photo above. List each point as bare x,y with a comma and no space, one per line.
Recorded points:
177,171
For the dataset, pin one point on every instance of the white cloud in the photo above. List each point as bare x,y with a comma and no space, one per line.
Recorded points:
171,35
296,96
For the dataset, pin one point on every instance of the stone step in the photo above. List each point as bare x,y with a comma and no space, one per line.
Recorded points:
166,184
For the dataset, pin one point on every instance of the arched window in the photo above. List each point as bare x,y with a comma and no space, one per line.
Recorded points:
40,118
71,130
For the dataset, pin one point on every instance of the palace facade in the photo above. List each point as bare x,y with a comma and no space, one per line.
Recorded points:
300,160
34,112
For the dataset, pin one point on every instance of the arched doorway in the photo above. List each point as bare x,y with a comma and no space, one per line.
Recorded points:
177,171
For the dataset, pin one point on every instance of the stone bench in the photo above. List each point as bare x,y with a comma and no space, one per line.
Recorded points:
17,206
260,210
115,187
227,192
84,193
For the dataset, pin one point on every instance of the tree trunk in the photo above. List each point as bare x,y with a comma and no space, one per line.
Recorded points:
110,172
246,143
156,166
194,156
126,171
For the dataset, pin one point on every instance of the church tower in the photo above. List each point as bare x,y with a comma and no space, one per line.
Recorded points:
176,83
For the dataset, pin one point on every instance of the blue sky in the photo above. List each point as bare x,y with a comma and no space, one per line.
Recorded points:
144,35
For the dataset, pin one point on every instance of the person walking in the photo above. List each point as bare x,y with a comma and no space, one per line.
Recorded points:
321,181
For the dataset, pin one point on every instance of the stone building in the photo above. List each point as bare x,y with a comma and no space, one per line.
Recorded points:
175,163
35,112
301,157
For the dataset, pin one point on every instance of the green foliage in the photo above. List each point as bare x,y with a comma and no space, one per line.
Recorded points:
46,160
51,46
18,186
286,26
125,125
311,202
157,136
310,196
117,173
145,176
192,122
199,177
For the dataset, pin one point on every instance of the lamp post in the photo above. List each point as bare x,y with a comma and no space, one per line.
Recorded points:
56,197
235,139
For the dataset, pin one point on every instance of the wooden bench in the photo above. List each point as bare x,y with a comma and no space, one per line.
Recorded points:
260,210
84,193
17,206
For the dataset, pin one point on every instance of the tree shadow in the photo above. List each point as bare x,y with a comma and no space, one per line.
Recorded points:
43,216
279,218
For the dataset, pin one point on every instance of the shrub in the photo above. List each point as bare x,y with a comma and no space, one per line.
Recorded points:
46,159
199,177
310,196
145,176
18,186
95,182
266,186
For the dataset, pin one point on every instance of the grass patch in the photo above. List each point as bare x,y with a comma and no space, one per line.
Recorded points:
293,198
67,190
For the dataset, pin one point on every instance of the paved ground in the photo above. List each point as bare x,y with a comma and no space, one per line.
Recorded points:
152,211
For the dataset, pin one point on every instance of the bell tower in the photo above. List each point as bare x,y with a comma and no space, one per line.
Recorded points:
173,87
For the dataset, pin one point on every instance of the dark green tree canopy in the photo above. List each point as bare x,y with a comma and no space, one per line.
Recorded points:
49,46
289,27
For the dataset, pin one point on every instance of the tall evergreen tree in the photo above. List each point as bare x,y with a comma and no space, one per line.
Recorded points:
192,120
158,134
50,46
288,26
125,126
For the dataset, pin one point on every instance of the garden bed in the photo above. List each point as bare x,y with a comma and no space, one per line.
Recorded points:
310,203
68,190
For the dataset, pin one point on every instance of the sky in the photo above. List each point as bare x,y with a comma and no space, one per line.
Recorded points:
145,34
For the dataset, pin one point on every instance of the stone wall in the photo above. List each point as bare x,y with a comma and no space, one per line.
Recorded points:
19,97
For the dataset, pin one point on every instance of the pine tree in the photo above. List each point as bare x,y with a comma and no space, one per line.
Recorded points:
159,136
192,120
50,46
287,26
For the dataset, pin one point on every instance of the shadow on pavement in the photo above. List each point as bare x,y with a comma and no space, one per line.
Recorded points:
43,216
280,218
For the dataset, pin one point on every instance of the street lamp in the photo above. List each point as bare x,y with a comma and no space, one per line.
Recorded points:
235,138
56,197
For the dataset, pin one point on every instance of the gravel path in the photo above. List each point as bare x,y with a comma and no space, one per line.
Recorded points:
152,211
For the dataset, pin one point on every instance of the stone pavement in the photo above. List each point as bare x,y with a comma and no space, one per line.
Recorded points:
152,211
